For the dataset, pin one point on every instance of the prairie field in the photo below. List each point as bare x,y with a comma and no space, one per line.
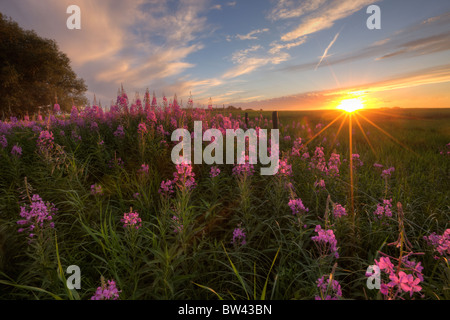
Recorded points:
98,190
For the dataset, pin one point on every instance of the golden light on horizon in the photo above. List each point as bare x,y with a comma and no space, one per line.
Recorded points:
351,105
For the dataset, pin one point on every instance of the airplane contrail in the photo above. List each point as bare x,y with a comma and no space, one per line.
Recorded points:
328,48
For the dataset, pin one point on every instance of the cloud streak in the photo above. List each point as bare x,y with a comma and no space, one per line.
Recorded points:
317,20
325,53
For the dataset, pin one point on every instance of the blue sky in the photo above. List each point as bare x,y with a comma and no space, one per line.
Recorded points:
283,54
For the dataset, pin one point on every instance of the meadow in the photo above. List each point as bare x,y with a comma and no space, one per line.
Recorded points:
97,189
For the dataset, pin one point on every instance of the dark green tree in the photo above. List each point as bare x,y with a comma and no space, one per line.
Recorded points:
33,71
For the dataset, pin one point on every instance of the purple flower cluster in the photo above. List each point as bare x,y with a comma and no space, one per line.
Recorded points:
96,189
131,220
16,151
284,169
399,280
319,184
357,162
384,210
119,132
3,141
333,165
166,188
117,162
184,175
142,128
328,290
318,160
107,291
239,236
144,169
214,172
245,169
177,225
45,142
339,211
387,173
441,243
38,215
297,206
297,147
326,241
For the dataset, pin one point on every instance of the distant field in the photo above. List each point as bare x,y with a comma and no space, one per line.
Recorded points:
231,233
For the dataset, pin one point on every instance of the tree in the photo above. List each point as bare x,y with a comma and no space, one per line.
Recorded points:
33,71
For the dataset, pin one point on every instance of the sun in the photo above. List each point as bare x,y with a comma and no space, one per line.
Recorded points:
350,105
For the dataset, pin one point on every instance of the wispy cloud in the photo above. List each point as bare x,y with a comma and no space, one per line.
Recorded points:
322,15
277,47
285,9
139,43
251,34
325,53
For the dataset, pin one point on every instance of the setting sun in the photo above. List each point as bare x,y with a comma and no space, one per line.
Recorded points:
350,105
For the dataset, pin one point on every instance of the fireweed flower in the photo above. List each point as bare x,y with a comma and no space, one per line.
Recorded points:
384,210
184,176
119,132
131,220
3,141
239,236
166,188
214,172
326,241
142,128
319,184
357,162
16,151
177,225
245,169
297,147
329,291
395,281
94,126
284,169
387,173
118,162
38,215
144,169
45,141
333,165
107,291
96,189
318,160
377,165
297,206
339,211
441,243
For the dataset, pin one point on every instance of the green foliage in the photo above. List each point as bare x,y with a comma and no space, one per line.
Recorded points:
33,71
279,261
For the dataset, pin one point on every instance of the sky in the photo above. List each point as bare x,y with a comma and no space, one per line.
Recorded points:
259,54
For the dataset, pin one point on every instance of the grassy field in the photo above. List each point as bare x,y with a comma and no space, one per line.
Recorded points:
189,244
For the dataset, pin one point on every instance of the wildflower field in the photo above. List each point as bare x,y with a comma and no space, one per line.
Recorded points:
97,189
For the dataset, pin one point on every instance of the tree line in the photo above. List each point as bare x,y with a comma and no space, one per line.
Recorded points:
33,71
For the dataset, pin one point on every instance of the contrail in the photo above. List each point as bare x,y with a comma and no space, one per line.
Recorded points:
328,48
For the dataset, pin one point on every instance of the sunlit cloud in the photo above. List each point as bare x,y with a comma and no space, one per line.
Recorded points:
251,34
324,18
277,47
